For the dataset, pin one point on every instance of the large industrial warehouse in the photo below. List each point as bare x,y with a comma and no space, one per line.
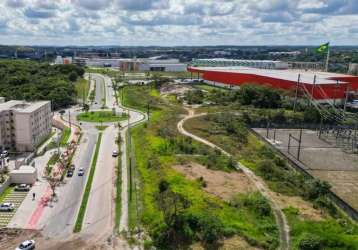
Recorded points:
318,85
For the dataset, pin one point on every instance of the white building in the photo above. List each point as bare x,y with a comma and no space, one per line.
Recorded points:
171,65
223,62
24,125
133,64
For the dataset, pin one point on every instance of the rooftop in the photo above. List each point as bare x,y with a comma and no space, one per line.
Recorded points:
289,75
22,106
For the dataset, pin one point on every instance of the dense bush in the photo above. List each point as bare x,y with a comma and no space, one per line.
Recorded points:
260,96
31,81
310,242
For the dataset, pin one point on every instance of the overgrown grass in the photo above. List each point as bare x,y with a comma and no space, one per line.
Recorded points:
101,116
282,179
86,193
326,234
66,132
82,89
155,147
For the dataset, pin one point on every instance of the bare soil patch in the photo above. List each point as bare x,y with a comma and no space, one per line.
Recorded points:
222,184
233,243
306,210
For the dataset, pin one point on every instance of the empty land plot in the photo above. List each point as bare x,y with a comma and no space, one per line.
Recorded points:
222,184
322,160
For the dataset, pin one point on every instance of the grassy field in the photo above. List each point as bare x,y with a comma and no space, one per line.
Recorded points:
82,211
82,89
101,116
156,145
331,233
209,88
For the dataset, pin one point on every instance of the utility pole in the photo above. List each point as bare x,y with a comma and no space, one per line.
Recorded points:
299,145
296,94
312,89
345,101
327,60
69,118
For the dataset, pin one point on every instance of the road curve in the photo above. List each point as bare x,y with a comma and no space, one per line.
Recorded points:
259,183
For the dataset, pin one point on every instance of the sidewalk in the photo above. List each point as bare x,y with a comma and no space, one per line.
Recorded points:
30,210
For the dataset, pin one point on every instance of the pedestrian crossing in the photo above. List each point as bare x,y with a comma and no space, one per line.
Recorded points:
16,198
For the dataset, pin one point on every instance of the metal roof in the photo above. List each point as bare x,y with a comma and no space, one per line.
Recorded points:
289,75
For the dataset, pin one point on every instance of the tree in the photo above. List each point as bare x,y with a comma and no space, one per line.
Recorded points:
73,76
86,107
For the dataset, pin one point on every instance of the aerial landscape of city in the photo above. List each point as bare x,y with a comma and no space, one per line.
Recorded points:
179,124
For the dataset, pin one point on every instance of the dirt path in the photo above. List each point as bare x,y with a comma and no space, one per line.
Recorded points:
259,183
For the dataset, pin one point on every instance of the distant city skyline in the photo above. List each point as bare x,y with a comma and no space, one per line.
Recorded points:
178,22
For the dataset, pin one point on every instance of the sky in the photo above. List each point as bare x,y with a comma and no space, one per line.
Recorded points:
178,22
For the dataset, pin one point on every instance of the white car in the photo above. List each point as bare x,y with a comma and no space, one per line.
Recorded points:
22,187
115,153
7,206
26,245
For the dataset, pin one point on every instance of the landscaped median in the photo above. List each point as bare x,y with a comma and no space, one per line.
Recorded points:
101,116
81,213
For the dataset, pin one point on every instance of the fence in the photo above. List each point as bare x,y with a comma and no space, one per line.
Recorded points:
352,212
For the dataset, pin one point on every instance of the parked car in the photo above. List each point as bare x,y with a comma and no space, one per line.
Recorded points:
72,167
7,207
115,153
69,173
81,172
26,245
22,187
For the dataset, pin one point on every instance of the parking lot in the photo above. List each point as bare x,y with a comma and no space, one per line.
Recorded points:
15,197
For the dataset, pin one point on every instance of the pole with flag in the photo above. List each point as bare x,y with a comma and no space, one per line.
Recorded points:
324,49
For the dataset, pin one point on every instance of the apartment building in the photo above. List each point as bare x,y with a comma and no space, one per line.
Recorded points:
23,125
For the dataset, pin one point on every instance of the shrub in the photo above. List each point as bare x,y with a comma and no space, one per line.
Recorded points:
310,242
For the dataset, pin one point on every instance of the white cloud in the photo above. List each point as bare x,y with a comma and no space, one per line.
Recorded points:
178,22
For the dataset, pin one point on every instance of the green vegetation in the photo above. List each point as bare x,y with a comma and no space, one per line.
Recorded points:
101,116
92,95
326,234
209,88
81,213
281,178
6,192
52,161
43,141
82,89
31,81
101,128
174,210
66,132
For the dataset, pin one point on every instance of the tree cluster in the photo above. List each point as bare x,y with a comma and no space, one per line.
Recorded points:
31,81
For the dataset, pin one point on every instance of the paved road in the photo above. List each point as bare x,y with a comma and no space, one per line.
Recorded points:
260,184
98,101
61,222
99,218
